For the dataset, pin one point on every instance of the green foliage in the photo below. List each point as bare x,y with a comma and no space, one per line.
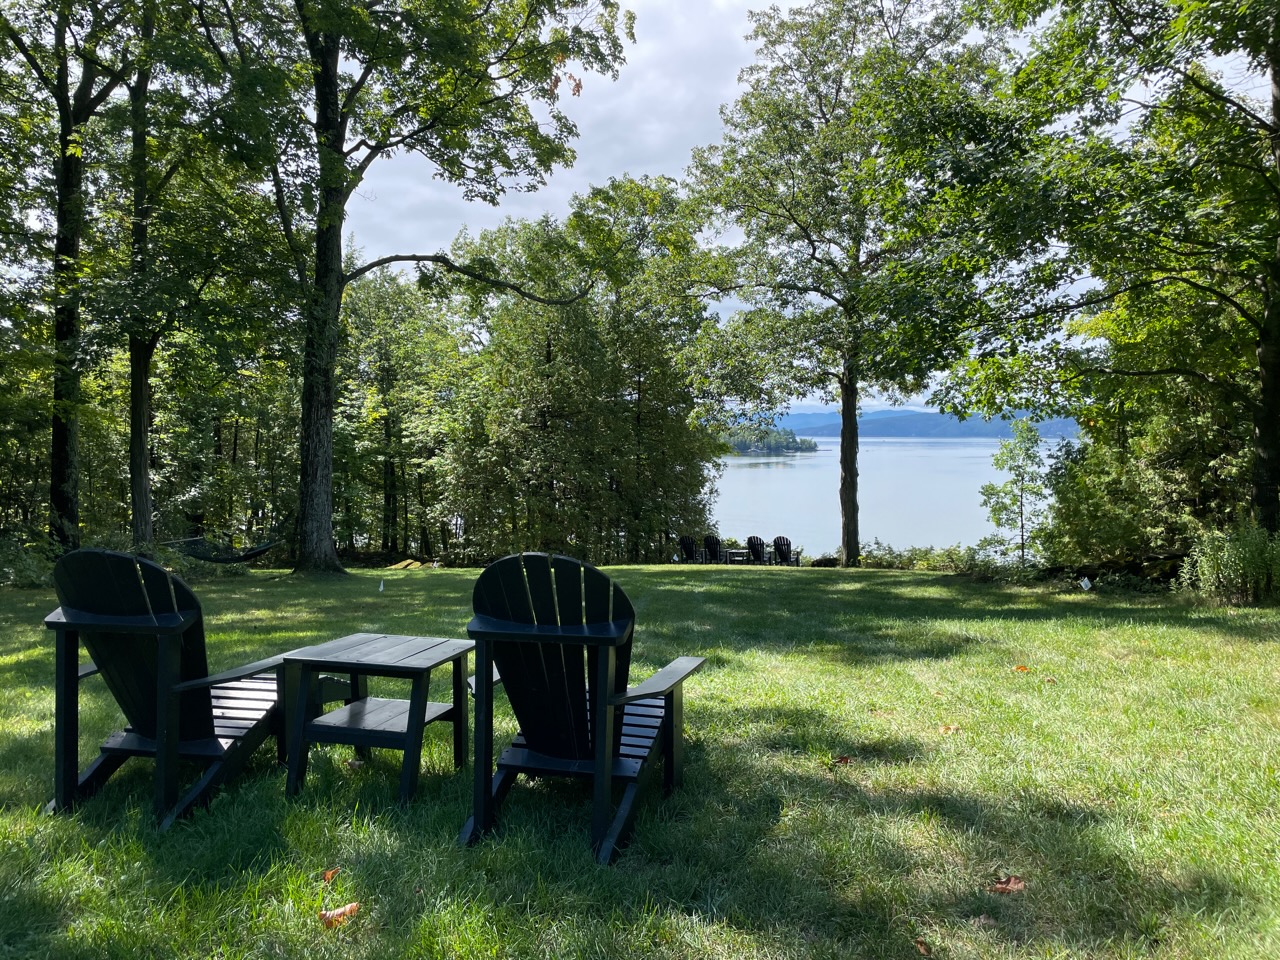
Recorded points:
576,430
1144,300
28,565
748,439
1163,457
1017,505
974,561
838,167
24,421
1239,566
400,371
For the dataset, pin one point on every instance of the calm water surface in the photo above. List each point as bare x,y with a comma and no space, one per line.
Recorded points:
911,493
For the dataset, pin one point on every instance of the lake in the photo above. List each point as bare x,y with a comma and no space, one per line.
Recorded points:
912,493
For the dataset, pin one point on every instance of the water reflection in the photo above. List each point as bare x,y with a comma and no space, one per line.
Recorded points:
913,492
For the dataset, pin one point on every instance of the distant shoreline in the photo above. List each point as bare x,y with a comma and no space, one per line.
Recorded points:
918,425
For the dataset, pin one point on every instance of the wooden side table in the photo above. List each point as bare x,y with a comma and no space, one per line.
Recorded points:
366,721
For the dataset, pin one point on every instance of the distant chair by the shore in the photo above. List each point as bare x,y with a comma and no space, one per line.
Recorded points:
782,553
688,550
756,550
714,551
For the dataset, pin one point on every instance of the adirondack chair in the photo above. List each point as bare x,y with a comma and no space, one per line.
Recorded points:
559,632
144,632
688,550
755,550
715,552
782,553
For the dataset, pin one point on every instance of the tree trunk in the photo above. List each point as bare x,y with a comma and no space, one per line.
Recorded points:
64,454
141,352
389,510
316,551
1266,424
141,348
850,547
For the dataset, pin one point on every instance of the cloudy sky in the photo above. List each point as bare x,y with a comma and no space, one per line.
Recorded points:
666,101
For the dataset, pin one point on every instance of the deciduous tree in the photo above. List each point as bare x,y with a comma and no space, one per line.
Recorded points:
859,123
474,90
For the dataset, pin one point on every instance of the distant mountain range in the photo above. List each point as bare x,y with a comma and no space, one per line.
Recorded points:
917,423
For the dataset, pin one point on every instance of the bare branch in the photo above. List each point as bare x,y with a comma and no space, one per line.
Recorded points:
441,260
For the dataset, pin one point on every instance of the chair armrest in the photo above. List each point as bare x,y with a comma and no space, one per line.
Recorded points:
662,682
235,673
610,634
161,624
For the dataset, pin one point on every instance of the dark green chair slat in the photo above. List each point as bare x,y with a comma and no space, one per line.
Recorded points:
597,595
569,591
123,608
527,607
542,589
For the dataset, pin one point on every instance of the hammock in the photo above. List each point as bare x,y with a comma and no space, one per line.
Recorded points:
201,549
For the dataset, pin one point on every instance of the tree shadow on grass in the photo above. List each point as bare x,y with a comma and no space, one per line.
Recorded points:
845,882
799,859
790,607
770,849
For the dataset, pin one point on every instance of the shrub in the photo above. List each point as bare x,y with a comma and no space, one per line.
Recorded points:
1240,565
26,564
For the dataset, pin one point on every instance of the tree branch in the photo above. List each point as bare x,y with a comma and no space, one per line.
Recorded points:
441,260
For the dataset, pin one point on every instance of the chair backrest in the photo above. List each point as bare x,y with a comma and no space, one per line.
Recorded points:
102,583
755,546
782,549
548,683
688,549
712,544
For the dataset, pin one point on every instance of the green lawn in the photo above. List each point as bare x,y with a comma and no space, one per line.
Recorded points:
865,760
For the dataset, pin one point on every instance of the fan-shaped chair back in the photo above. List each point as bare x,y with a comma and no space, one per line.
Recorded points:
547,682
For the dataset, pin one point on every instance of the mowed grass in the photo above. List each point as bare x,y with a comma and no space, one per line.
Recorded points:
865,757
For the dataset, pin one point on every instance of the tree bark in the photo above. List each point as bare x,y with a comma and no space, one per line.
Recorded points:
76,104
141,352
850,547
1266,425
64,454
389,507
316,550
141,347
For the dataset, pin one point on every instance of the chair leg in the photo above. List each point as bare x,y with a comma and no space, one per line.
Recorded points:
620,829
483,803
502,781
89,782
218,773
673,739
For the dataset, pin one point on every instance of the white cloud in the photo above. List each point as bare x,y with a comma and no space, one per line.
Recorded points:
666,101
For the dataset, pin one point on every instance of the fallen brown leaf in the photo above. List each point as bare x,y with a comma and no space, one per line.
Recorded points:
922,947
1050,679
1021,669
949,728
842,760
330,874
331,918
1010,884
